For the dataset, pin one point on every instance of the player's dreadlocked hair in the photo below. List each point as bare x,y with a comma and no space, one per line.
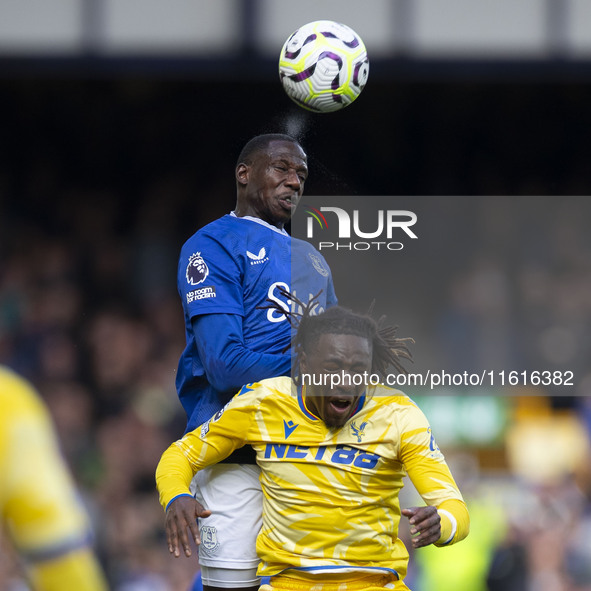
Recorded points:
387,349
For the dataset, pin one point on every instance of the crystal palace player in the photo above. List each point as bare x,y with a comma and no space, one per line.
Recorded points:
227,270
39,505
332,459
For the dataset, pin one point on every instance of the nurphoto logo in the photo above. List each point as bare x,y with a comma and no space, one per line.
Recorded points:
367,231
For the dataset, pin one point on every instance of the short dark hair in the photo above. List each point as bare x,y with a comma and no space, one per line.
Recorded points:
387,349
260,143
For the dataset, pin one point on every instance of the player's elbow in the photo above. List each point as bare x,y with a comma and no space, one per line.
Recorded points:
236,366
222,373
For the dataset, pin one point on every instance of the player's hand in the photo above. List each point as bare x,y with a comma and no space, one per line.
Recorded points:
425,525
181,518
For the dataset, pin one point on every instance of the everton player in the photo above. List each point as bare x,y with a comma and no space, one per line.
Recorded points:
333,452
227,270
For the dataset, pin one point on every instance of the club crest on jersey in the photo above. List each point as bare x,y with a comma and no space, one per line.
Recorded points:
258,259
197,269
358,432
209,539
317,264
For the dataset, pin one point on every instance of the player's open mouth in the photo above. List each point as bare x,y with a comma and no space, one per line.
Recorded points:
340,405
288,203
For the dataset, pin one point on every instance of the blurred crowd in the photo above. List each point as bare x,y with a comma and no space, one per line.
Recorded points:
101,343
90,314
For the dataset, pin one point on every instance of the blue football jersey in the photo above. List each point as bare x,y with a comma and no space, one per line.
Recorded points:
233,266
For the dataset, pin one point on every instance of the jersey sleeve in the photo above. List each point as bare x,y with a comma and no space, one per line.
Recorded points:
331,296
228,430
426,467
209,277
227,361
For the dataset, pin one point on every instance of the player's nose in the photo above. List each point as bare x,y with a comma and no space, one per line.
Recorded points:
350,383
293,180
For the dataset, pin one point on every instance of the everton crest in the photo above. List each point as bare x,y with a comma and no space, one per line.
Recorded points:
209,539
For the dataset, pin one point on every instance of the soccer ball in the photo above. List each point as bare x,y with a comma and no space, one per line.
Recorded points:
323,66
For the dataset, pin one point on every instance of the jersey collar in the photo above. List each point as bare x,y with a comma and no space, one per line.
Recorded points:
261,222
303,406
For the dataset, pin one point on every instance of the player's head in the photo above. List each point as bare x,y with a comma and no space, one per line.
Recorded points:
335,367
270,174
337,352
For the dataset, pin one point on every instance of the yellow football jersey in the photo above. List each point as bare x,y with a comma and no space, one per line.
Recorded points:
38,502
330,496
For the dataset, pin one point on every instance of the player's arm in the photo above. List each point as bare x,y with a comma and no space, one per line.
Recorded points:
228,362
438,525
217,322
445,519
331,296
173,477
206,445
210,443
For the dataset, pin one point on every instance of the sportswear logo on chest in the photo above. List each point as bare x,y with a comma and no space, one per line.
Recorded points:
258,259
289,427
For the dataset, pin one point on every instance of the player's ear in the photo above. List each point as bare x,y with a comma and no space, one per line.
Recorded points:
242,172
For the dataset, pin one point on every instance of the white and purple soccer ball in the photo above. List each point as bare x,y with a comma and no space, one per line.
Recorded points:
323,66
